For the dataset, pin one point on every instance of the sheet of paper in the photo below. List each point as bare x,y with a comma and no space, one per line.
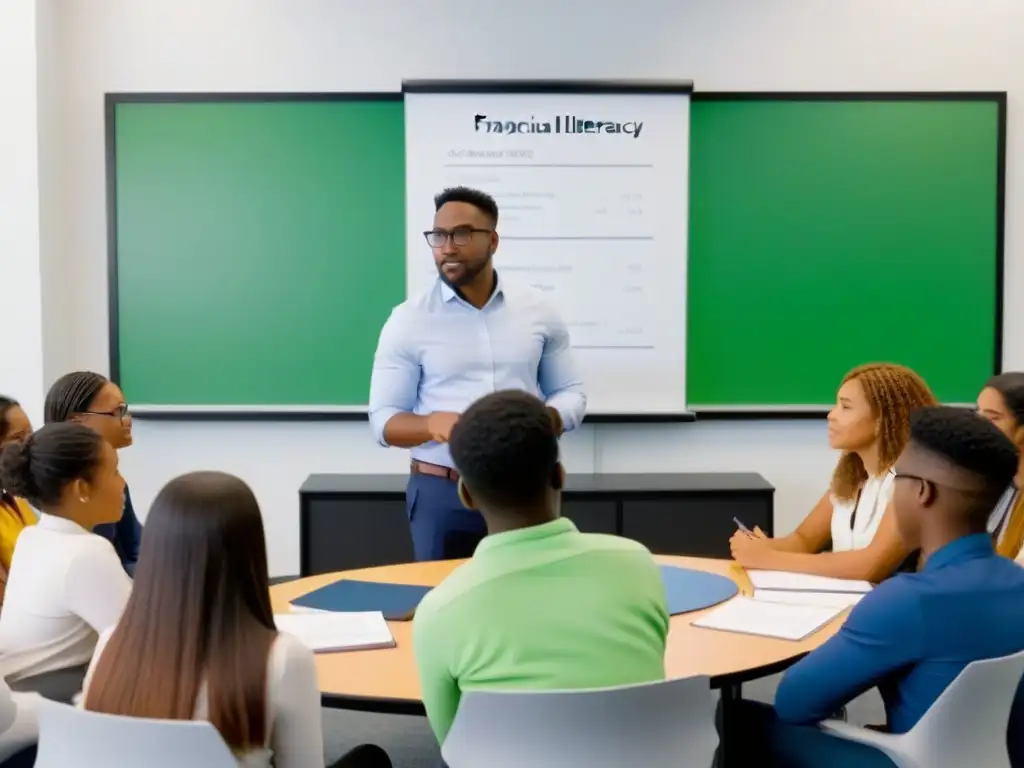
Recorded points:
802,582
325,632
828,599
752,617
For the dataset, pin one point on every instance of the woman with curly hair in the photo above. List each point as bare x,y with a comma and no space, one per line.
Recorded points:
851,532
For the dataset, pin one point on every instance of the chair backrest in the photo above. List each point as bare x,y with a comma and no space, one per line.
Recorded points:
666,724
966,726
75,738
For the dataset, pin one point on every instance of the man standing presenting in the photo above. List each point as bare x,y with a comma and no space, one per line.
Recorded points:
469,335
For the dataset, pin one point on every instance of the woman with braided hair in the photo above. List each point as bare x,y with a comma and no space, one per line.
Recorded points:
88,398
851,532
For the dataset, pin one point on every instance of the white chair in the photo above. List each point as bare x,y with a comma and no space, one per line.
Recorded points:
75,738
966,726
668,724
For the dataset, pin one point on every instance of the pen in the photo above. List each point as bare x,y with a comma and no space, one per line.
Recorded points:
742,527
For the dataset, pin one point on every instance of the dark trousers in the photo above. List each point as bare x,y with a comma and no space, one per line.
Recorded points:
756,738
363,756
442,529
26,758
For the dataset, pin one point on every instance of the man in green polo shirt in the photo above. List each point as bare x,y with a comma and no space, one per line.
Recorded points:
540,606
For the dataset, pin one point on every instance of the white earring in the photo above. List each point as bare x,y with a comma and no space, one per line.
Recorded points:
82,499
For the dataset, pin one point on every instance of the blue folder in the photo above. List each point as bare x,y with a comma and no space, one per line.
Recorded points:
396,601
689,590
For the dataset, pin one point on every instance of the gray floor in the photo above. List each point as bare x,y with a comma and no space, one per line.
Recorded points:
411,744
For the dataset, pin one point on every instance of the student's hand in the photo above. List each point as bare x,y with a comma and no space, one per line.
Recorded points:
752,551
757,533
738,535
440,425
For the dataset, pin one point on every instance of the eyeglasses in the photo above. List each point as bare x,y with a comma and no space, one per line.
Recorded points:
120,412
929,481
436,238
894,473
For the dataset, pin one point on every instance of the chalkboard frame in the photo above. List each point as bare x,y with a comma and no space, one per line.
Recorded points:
156,413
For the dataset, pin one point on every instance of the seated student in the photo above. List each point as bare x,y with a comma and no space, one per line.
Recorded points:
914,633
199,622
15,513
65,584
870,424
540,605
1002,403
90,399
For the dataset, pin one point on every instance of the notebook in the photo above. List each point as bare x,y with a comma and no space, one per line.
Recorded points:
752,617
802,582
834,599
329,632
396,601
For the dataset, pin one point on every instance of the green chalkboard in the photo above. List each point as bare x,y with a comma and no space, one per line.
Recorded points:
825,234
260,248
258,244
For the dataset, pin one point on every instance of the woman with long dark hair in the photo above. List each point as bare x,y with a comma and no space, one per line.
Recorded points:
197,639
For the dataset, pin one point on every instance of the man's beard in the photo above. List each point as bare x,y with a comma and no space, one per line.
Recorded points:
467,274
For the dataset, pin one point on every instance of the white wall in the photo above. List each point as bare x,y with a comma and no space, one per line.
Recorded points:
310,45
56,288
21,351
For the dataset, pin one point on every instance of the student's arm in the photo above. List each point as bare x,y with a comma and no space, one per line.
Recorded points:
297,739
875,562
439,689
129,535
559,378
97,586
394,385
813,533
883,633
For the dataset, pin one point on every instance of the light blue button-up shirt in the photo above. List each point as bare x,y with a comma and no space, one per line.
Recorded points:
437,352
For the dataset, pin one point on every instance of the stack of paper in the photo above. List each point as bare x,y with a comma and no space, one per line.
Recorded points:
802,582
327,632
830,599
781,620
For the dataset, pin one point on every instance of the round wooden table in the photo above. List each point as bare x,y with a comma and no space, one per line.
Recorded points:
385,681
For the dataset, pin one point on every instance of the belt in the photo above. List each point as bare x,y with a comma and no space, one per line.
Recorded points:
434,470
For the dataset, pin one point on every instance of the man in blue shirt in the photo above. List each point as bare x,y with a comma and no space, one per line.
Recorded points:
470,335
914,633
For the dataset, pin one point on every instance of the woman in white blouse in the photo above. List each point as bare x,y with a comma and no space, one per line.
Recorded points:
66,584
870,424
1001,401
197,639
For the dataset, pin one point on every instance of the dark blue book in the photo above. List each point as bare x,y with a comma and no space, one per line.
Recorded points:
396,601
